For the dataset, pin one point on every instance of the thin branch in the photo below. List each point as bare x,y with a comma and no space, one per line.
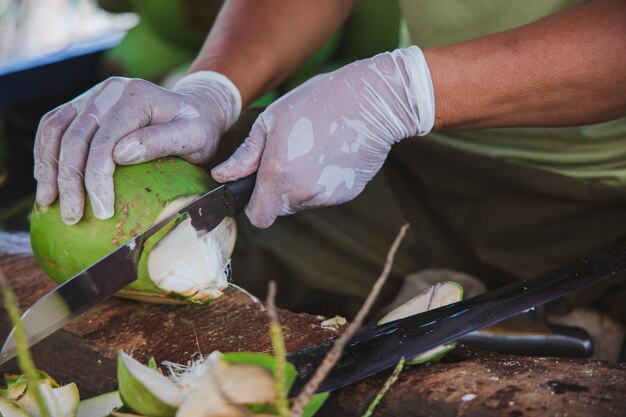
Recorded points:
388,383
335,352
280,353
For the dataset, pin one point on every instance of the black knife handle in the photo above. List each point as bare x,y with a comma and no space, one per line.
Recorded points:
237,194
559,341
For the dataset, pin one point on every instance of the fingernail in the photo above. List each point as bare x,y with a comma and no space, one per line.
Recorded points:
259,221
103,213
129,152
222,169
43,195
70,211
100,209
69,217
70,221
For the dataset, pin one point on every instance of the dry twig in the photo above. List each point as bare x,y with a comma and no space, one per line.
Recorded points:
335,352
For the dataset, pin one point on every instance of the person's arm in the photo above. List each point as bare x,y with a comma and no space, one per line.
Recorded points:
566,69
257,44
320,144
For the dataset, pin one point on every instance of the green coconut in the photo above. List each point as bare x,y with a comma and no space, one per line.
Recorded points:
144,390
100,405
372,27
230,384
185,24
176,263
438,295
60,401
143,53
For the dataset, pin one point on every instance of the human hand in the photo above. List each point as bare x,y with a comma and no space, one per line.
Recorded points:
320,144
127,121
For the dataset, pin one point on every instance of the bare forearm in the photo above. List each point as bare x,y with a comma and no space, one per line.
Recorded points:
258,43
566,69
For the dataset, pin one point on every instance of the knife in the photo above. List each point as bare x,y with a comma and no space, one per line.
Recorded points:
119,268
518,337
376,349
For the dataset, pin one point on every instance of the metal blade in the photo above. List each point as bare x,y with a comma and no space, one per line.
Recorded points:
376,349
118,269
74,297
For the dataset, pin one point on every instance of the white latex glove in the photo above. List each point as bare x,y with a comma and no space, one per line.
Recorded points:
321,143
127,121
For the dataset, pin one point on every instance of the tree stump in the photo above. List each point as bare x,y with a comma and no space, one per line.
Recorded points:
467,382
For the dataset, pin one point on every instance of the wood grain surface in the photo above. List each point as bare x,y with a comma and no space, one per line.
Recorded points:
466,383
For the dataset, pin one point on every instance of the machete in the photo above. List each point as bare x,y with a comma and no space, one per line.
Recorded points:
379,348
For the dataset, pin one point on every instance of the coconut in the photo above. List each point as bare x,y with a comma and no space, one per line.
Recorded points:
221,385
217,388
100,405
176,264
144,54
438,295
145,390
9,409
60,401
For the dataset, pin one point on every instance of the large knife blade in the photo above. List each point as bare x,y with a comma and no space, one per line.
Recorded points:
119,268
379,348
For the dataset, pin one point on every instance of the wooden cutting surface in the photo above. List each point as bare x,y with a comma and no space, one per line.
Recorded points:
467,383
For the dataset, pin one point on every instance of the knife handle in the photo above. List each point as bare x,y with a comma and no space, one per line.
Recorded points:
237,194
534,339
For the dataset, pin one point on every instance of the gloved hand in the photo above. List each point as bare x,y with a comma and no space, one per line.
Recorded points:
321,143
127,121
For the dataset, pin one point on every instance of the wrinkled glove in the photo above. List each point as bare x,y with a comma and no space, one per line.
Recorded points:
127,121
321,143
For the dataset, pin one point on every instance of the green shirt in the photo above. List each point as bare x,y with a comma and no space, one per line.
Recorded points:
594,152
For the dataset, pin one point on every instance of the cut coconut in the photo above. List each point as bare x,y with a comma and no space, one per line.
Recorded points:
217,388
436,296
60,402
99,406
145,390
222,385
8,409
194,270
15,390
189,265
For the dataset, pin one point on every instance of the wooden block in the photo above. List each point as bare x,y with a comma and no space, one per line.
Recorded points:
85,350
467,383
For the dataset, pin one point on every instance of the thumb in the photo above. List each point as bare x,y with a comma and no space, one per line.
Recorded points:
245,160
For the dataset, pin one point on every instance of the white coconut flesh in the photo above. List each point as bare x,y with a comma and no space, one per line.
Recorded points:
8,409
216,388
152,381
16,391
190,264
438,295
60,402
